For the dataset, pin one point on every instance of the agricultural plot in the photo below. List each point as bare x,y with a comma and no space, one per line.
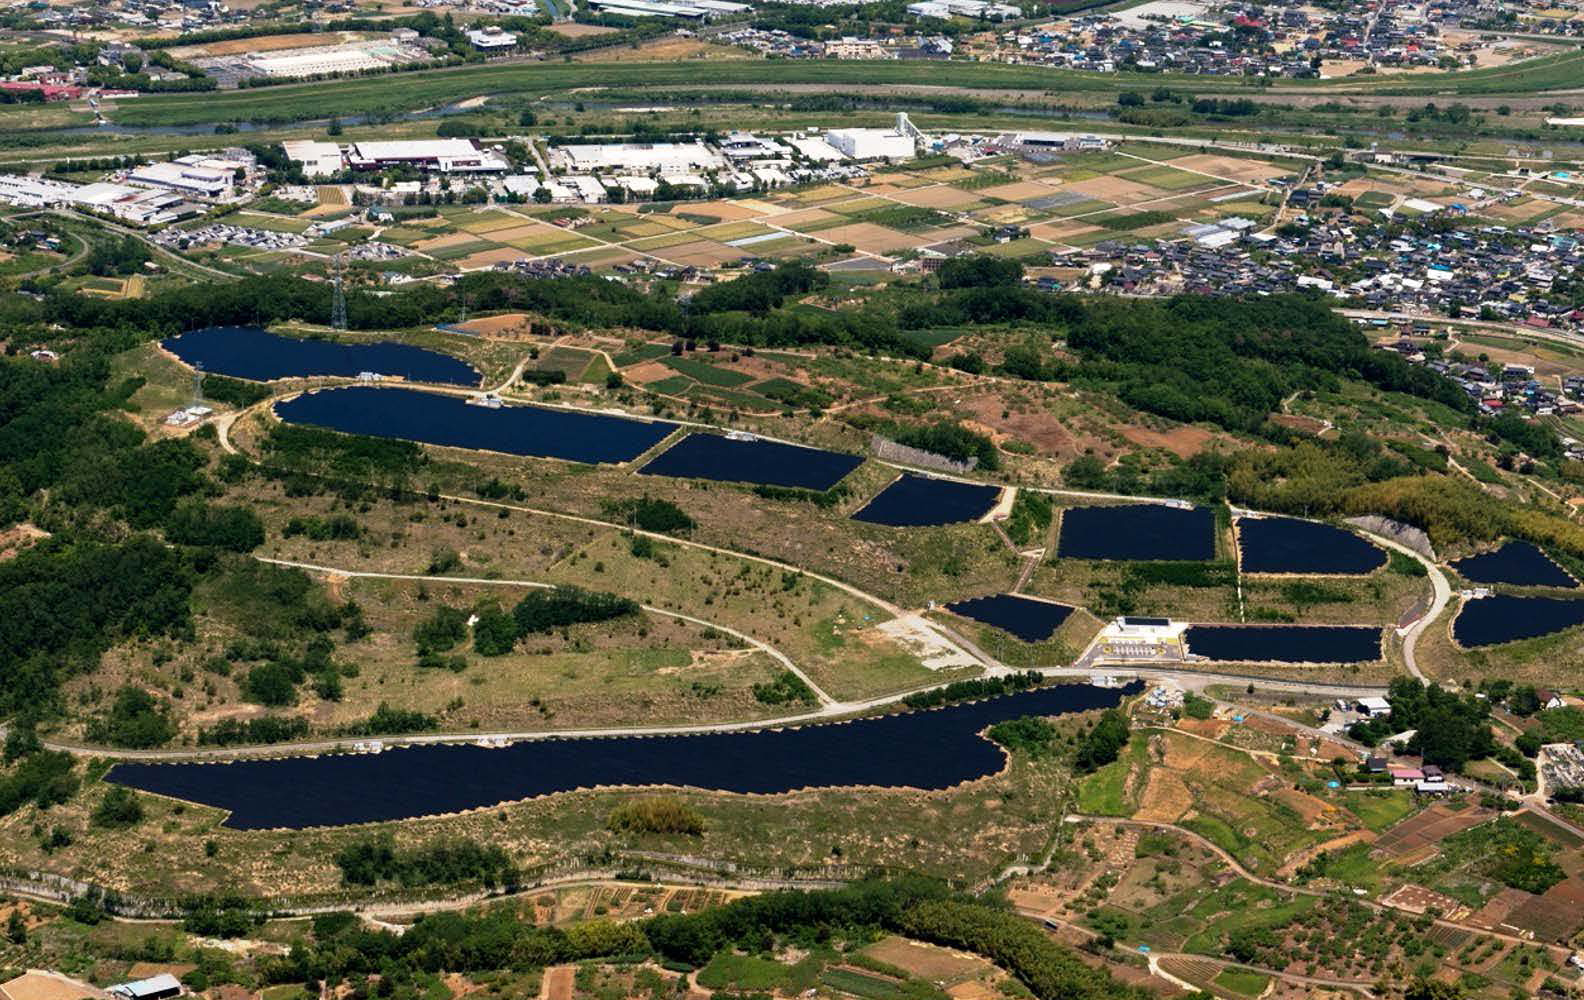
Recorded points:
1418,836
1168,178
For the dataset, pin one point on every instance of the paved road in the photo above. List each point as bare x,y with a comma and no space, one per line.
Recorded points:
830,711
1440,594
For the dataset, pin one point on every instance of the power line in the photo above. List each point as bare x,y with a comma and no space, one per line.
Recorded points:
338,312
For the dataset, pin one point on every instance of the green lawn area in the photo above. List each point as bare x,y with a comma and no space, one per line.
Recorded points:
644,352
742,972
1382,809
1104,793
1243,981
860,985
673,386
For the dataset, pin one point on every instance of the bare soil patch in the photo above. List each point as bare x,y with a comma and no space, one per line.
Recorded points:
871,238
926,961
1117,190
1019,190
1246,171
1166,797
1184,442
266,43
489,258
571,29
495,326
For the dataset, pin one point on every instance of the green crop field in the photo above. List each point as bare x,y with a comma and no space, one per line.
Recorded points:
707,373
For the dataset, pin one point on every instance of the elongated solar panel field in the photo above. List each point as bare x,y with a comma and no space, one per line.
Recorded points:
763,463
1137,532
920,501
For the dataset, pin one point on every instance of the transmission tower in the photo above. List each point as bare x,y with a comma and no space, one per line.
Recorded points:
198,377
338,319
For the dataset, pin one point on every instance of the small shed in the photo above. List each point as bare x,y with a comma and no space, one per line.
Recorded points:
160,987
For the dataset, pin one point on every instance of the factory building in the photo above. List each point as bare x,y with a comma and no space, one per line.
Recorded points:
492,38
446,156
317,62
872,143
628,157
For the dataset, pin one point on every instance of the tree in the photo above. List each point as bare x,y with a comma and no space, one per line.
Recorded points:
136,720
16,927
979,271
1432,989
1103,744
494,631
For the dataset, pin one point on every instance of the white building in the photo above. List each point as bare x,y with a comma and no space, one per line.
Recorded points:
317,159
1374,707
849,47
638,187
872,143
492,39
589,190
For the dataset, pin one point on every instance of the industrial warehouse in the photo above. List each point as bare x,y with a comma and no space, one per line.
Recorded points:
446,156
741,159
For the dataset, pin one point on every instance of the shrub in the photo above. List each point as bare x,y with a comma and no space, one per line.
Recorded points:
264,729
787,687
648,514
387,721
656,815
545,610
273,684
444,862
988,687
